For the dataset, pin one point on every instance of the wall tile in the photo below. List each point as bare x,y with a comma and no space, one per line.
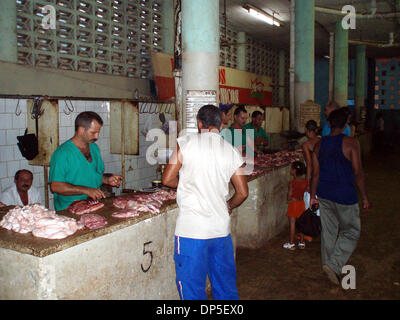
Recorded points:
6,121
2,137
2,105
11,137
19,122
6,153
3,170
12,168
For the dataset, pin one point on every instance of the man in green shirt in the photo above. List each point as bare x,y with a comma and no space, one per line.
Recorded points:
260,137
76,167
234,134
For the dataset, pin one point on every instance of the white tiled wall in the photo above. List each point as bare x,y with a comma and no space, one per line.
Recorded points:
139,173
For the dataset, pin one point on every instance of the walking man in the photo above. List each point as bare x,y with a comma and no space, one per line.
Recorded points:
203,245
336,170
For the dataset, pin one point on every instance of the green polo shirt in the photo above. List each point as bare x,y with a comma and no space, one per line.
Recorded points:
68,164
229,134
260,132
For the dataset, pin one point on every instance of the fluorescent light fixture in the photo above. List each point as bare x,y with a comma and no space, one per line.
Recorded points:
260,14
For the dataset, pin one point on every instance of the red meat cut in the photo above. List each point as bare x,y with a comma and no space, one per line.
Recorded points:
93,221
84,206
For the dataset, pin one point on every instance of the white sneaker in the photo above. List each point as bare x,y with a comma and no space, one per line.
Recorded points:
302,245
290,246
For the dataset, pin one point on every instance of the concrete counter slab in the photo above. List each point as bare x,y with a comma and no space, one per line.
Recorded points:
129,258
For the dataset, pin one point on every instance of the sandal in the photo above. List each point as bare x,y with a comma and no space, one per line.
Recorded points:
307,238
302,245
289,246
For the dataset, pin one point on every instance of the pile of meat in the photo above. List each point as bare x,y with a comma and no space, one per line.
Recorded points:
42,222
137,204
84,206
88,219
278,159
93,221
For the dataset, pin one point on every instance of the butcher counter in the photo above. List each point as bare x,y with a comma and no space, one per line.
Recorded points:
129,258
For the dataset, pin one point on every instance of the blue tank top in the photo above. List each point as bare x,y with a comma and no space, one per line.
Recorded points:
336,178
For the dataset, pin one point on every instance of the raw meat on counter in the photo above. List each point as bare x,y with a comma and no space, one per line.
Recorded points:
278,159
127,213
93,221
84,206
137,204
42,222
58,227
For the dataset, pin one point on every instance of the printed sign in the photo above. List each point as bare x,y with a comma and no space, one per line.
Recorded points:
235,86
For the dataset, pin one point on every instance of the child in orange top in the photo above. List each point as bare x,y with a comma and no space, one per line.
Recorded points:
296,205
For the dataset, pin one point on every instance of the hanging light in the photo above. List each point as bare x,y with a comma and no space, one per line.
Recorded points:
262,15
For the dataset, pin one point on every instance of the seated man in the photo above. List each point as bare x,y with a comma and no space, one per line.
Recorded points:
260,137
22,192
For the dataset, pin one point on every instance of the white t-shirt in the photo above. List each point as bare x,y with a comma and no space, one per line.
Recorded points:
10,196
208,163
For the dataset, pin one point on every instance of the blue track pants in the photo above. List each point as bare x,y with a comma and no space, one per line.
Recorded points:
197,258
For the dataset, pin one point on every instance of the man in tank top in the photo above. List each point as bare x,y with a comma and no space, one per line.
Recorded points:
336,172
205,163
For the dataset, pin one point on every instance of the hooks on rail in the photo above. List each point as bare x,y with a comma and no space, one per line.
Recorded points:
69,108
18,110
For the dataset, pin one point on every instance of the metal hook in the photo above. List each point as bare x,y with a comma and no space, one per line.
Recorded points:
169,107
162,109
65,111
36,111
70,109
146,104
155,107
72,106
18,110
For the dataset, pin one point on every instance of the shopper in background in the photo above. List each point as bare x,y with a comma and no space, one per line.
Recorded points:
296,206
337,169
329,107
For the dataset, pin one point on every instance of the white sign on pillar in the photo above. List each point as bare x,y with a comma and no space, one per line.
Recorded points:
195,99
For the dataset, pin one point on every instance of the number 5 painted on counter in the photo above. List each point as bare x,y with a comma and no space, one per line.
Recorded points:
147,252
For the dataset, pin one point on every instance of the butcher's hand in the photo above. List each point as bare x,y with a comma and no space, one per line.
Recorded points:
95,194
114,180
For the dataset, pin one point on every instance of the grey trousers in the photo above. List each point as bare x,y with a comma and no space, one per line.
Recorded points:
340,232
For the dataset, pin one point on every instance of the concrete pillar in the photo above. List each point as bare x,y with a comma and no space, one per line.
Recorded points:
168,30
304,56
241,54
282,73
8,31
341,64
331,64
360,80
200,46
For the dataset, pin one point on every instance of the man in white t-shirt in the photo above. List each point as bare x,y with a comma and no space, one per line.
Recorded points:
205,163
22,192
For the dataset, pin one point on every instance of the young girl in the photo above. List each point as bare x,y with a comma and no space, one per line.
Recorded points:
296,206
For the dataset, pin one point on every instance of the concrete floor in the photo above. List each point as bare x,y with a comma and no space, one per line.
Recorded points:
272,272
